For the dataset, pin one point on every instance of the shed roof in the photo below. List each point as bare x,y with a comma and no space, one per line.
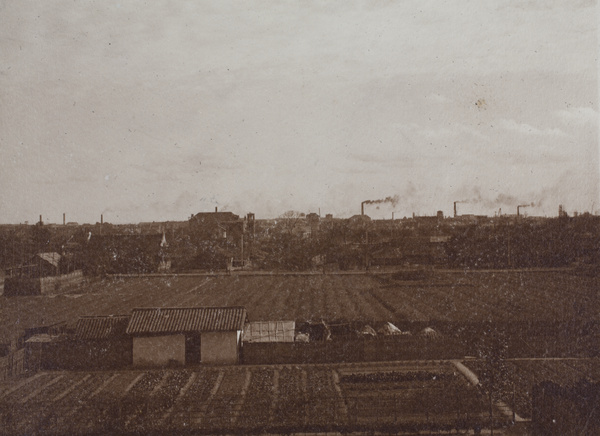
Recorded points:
186,319
42,338
101,327
51,258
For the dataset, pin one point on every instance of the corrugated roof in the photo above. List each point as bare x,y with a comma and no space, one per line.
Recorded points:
270,331
101,327
186,319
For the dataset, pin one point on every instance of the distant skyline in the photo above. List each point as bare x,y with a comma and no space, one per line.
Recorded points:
155,111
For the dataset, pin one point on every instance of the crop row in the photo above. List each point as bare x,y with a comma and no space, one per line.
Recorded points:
236,397
502,296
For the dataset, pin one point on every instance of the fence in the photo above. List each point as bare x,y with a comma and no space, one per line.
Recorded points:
352,350
61,282
12,365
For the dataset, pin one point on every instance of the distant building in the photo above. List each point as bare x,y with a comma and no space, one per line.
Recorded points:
313,221
40,265
179,336
216,225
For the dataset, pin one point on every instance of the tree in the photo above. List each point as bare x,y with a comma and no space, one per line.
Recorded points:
492,349
290,220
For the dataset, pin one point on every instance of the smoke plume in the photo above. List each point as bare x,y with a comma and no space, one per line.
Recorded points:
392,200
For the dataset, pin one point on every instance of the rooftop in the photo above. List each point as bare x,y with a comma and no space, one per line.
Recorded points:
101,327
187,319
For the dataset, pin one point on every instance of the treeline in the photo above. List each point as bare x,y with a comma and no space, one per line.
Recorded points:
337,244
551,243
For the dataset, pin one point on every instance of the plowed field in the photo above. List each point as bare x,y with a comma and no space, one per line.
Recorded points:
451,297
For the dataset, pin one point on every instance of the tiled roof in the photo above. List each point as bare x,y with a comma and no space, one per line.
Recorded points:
101,327
186,319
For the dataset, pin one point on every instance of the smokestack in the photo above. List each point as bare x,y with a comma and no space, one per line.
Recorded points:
101,219
455,208
40,219
64,219
362,208
216,209
519,208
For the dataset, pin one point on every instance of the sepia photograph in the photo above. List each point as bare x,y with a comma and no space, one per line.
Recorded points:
303,218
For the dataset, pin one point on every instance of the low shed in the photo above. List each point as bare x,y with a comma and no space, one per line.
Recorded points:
179,336
270,331
101,342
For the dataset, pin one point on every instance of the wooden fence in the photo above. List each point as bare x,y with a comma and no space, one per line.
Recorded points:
12,365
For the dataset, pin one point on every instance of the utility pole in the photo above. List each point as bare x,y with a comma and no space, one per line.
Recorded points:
491,406
367,250
242,246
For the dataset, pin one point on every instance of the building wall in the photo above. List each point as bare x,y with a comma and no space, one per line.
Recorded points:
159,350
220,347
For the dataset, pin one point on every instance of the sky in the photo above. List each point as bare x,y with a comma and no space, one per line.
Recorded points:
154,111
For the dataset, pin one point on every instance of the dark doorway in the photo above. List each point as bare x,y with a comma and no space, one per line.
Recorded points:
192,349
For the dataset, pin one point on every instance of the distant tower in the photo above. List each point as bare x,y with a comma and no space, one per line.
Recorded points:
561,211
251,219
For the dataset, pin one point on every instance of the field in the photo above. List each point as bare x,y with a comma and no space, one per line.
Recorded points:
445,297
280,399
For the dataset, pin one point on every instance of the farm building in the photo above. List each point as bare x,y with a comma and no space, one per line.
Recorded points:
270,331
102,342
176,336
40,265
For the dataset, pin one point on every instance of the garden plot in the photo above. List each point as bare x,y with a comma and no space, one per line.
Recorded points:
336,397
412,396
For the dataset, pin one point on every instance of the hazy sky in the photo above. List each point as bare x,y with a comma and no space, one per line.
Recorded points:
148,111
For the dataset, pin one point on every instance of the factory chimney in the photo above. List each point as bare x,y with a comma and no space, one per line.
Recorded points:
41,222
216,209
362,208
455,208
101,219
519,208
64,219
